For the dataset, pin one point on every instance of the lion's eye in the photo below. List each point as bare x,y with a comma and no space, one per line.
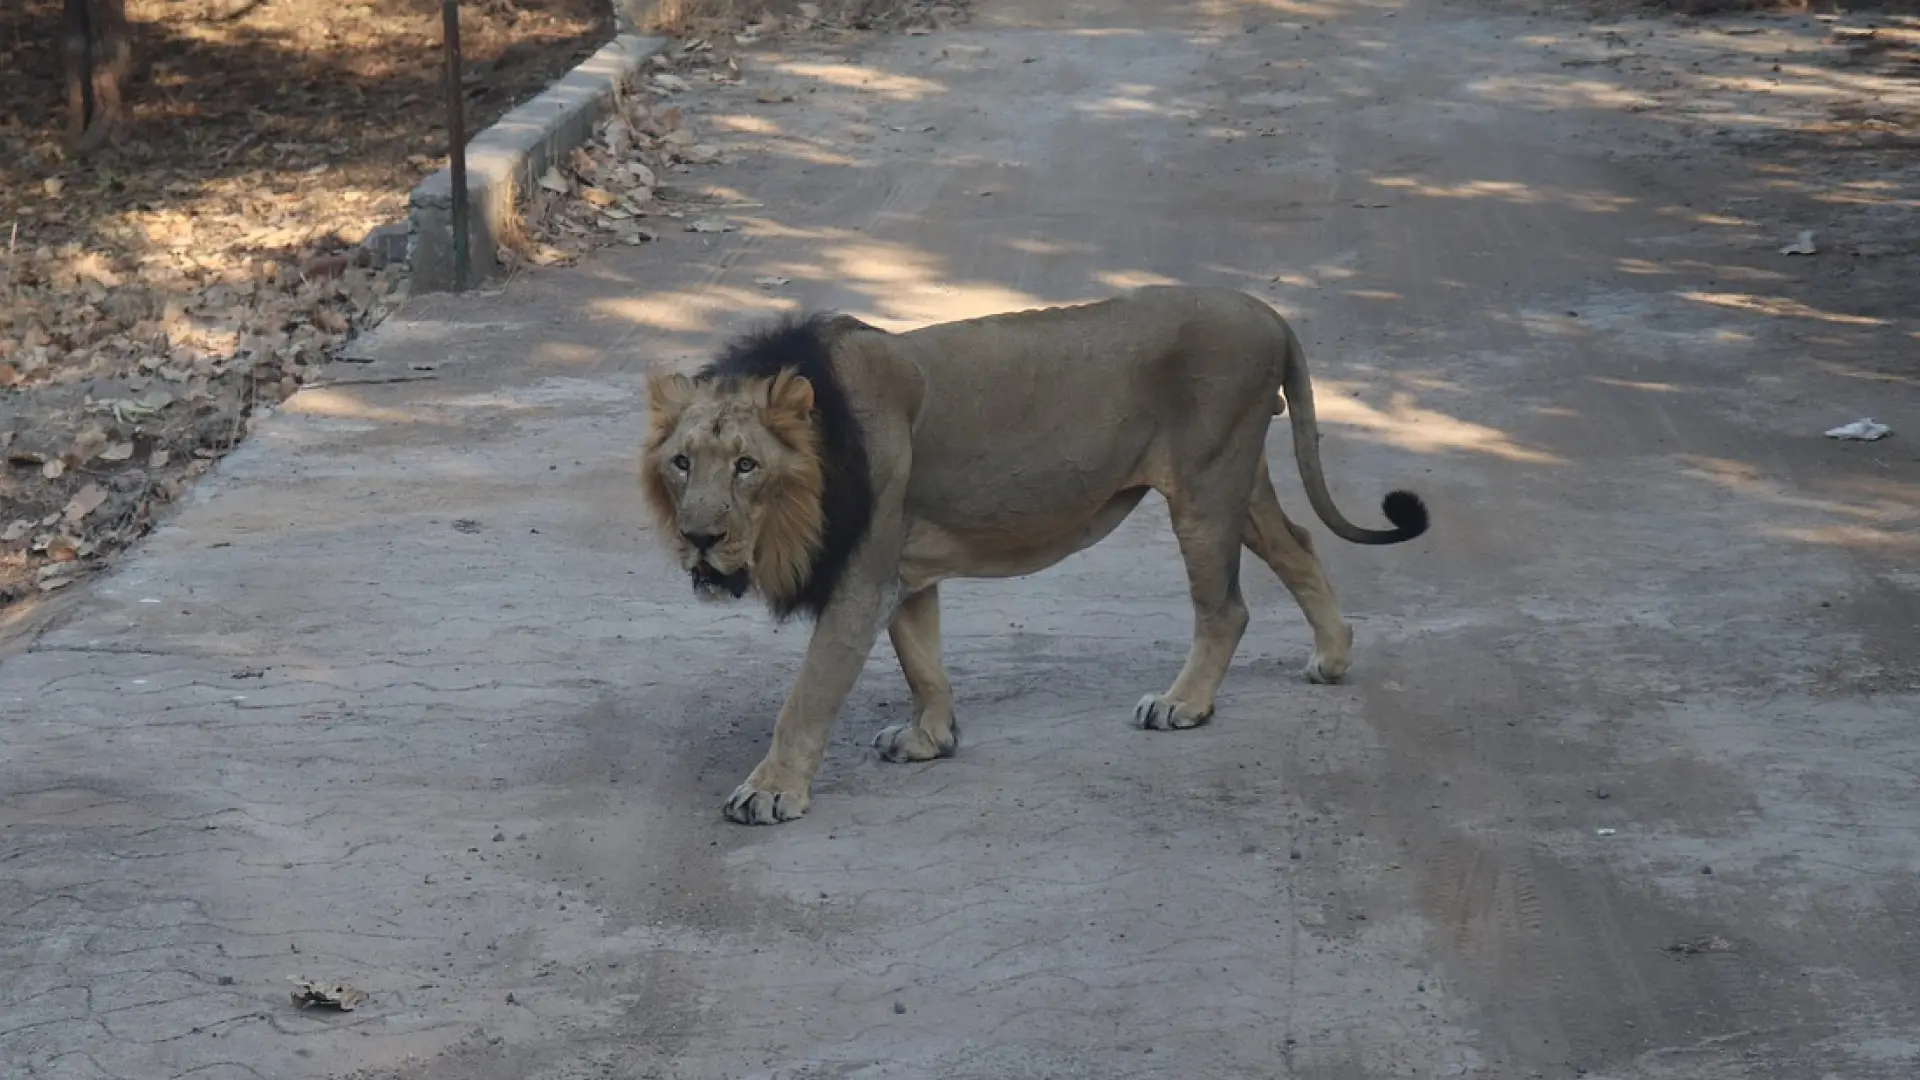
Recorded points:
680,462
745,465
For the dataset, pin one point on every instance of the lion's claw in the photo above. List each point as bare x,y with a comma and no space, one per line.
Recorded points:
908,742
749,805
1325,670
1156,712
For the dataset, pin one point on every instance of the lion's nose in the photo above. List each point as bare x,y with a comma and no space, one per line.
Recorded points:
702,541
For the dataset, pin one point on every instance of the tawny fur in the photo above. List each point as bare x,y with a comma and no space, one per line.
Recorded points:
785,521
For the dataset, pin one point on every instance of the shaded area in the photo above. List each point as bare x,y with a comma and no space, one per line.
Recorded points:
226,86
253,115
1814,119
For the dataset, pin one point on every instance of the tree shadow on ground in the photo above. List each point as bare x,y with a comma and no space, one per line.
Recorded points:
1696,302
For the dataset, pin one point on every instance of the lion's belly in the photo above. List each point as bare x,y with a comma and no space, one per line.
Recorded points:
1021,544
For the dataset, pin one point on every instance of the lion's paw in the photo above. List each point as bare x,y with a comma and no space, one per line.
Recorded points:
1332,656
908,742
1322,668
751,805
1157,712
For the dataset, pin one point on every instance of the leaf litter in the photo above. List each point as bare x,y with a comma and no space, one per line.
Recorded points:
159,300
341,996
616,187
159,296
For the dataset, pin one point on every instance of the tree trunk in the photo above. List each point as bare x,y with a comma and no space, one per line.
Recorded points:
98,49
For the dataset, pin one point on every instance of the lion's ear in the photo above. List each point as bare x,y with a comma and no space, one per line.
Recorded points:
668,392
791,394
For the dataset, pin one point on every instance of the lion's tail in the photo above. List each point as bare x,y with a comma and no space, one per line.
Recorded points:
1403,508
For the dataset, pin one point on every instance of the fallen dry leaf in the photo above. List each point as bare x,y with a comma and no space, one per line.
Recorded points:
84,502
1712,943
325,266
90,441
1802,244
329,995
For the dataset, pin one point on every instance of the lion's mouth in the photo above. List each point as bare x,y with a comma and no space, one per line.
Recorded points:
709,581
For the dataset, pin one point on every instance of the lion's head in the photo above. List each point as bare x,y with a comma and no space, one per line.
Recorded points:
755,469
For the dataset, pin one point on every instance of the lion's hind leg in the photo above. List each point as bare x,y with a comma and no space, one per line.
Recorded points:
933,732
1208,525
1288,550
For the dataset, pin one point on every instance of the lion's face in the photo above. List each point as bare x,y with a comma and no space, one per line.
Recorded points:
732,473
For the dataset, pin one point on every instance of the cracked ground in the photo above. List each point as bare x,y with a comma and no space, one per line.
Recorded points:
1624,783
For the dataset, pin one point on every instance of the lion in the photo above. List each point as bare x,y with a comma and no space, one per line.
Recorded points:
842,472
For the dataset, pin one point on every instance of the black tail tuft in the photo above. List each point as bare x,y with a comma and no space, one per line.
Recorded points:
1407,513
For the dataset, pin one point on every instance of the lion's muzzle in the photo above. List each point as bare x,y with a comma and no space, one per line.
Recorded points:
710,581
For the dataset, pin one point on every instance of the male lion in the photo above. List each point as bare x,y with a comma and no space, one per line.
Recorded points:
843,472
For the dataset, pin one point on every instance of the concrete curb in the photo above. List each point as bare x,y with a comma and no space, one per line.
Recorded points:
508,157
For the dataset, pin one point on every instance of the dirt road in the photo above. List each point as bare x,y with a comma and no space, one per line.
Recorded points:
1625,782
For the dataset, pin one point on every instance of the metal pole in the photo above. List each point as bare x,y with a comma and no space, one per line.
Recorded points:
456,139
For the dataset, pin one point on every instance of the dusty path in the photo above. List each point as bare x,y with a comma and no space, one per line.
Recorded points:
1625,784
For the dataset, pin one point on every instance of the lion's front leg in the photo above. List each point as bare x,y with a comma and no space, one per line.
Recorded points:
933,732
779,788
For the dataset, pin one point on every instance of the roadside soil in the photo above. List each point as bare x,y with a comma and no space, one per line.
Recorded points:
155,296
159,297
